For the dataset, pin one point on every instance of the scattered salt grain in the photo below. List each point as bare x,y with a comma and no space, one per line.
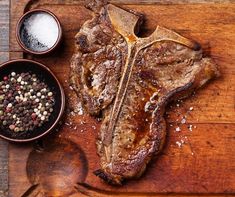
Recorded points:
68,123
177,129
72,113
79,109
183,121
190,127
82,122
191,108
179,144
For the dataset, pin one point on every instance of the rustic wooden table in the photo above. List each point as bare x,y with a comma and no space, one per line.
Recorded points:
211,171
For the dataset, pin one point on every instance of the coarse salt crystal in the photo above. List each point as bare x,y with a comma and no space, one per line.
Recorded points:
179,144
79,108
191,108
190,128
72,113
183,121
177,129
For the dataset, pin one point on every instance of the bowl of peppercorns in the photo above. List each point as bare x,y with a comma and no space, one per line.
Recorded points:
32,100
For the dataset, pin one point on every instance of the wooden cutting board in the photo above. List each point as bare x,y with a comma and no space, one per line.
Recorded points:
197,162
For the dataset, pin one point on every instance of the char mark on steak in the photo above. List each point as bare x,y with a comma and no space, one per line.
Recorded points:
130,80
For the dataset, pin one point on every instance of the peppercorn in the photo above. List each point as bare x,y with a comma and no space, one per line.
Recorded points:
25,102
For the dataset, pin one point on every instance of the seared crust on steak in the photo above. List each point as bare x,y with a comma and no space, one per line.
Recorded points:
131,80
96,65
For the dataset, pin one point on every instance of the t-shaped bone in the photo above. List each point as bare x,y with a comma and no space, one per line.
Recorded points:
124,23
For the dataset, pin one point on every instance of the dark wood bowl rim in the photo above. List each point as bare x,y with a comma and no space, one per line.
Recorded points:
62,106
22,45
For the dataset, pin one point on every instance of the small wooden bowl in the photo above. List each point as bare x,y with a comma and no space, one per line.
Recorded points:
19,26
44,74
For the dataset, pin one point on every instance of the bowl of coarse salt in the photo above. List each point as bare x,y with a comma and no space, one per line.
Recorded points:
38,31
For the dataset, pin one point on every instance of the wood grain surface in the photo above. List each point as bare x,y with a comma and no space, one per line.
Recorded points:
205,163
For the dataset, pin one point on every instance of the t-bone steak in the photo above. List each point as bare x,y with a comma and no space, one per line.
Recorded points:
129,80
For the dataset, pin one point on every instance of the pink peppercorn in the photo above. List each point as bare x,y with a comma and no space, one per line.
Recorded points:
5,78
8,109
33,116
12,127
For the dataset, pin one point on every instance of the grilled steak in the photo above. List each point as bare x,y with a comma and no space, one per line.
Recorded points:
130,80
